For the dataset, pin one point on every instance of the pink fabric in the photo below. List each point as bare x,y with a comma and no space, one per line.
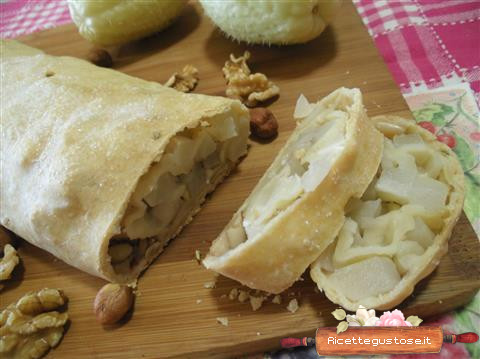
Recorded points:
22,17
427,43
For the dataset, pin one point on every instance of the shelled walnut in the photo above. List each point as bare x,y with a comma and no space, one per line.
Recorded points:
245,86
184,81
8,262
31,326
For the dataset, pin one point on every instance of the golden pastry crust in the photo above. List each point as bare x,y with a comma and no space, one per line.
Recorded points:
419,261
295,237
76,139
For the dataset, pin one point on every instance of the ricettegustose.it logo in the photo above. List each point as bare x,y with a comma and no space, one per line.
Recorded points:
363,333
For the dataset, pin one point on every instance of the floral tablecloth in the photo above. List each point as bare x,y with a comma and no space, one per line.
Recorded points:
432,48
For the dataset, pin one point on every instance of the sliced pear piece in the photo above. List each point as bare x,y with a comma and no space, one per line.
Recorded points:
356,282
297,207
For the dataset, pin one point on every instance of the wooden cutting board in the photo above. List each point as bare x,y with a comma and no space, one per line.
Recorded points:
174,314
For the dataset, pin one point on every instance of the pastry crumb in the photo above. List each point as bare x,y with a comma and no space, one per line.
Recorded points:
256,302
198,301
133,285
209,285
243,296
198,256
292,306
137,293
258,333
277,299
233,294
223,321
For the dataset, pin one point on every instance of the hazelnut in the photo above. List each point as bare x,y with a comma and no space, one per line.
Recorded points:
100,57
263,123
112,302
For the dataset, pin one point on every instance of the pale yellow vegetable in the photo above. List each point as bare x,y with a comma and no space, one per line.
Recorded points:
113,22
271,21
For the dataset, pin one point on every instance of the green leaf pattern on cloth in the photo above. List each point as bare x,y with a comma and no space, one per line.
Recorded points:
434,112
472,203
468,319
455,116
464,152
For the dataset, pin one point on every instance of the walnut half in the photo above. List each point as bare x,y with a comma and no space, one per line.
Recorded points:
184,81
30,327
8,262
245,86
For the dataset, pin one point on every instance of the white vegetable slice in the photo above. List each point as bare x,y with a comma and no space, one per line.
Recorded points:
404,187
365,211
303,108
378,258
297,207
356,281
421,234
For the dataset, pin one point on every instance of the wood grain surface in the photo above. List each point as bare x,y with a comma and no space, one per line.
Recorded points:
174,315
